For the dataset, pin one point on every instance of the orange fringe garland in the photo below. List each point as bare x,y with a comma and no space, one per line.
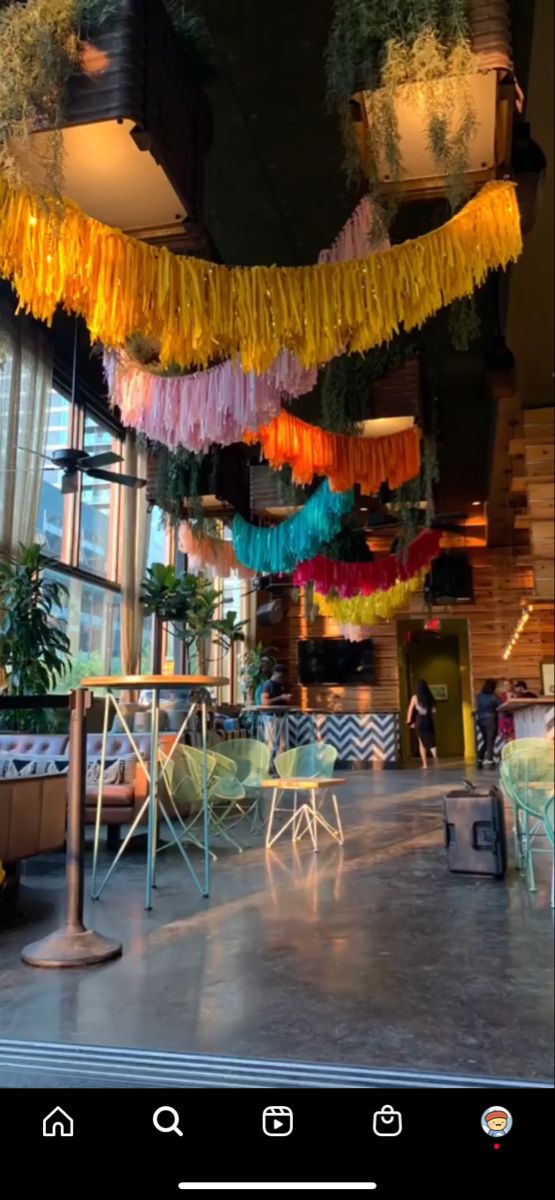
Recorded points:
344,460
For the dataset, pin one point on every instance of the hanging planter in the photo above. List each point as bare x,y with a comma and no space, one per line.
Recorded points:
417,108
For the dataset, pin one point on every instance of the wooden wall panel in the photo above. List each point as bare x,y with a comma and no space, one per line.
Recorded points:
502,580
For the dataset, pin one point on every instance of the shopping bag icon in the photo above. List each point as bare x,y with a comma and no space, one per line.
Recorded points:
387,1122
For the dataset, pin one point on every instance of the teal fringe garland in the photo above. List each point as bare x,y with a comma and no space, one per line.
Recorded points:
271,551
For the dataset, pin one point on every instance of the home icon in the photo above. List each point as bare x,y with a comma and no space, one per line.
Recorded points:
57,1124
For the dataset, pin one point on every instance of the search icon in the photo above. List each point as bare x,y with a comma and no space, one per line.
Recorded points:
173,1128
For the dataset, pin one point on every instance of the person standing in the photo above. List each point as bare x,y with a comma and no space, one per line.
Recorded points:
488,721
420,717
506,719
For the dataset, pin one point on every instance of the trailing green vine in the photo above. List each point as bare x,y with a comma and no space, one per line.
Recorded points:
181,478
41,46
350,545
347,382
381,46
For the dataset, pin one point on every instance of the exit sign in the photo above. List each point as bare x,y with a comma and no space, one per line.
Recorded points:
433,625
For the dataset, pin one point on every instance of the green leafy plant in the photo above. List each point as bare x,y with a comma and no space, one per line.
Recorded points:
188,605
34,650
258,665
179,477
380,48
349,546
41,44
347,382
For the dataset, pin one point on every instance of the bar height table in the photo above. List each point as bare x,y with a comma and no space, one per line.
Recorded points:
153,805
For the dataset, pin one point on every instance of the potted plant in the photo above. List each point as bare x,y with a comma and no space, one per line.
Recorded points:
187,604
258,665
34,650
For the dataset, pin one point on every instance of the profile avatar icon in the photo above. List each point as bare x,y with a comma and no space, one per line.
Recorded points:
497,1121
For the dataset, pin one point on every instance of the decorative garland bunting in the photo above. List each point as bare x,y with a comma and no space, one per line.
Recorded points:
197,310
273,550
354,239
210,556
366,610
348,579
197,411
345,460
217,405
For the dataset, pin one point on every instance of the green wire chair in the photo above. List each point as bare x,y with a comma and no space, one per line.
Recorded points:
316,760
528,779
252,762
183,776
548,826
508,779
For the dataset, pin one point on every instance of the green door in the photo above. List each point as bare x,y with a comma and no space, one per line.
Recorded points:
436,659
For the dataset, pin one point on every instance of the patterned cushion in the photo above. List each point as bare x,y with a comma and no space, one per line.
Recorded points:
15,768
114,771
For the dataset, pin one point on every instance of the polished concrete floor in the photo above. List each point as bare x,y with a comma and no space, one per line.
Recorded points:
371,955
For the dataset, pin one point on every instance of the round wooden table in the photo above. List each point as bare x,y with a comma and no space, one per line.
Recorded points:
306,816
153,803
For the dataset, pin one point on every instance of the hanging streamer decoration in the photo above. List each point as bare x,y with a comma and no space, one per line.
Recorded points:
55,254
366,610
347,579
210,556
209,407
342,458
218,405
273,550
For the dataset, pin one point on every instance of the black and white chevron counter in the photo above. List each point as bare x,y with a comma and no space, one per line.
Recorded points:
361,739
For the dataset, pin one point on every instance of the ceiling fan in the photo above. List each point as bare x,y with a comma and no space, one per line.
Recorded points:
72,463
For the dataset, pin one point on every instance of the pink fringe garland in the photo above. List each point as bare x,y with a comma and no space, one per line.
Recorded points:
218,405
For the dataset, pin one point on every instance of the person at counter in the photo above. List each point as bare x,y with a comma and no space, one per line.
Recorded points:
487,704
522,691
272,692
506,720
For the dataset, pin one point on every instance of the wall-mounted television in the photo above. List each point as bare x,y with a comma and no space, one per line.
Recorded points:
336,662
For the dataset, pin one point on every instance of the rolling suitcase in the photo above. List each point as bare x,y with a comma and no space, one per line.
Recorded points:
475,832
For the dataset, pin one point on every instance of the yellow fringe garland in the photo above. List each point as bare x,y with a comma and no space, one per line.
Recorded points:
201,311
366,610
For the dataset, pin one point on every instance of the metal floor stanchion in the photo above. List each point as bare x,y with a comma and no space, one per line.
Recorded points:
73,945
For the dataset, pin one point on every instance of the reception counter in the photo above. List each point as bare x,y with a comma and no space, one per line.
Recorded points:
361,739
532,717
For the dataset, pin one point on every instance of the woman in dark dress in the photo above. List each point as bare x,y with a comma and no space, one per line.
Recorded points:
421,718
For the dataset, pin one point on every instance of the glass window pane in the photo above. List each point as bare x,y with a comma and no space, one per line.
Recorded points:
98,535
54,509
157,550
90,616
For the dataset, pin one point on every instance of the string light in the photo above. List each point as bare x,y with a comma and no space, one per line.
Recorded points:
519,628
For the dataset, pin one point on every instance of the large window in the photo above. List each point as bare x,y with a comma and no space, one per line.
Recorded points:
90,615
54,509
99,516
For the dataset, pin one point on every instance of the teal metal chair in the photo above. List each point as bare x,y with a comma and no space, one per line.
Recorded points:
527,777
313,761
252,762
316,760
183,776
508,780
548,826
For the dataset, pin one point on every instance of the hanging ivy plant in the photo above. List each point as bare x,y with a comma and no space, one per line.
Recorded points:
464,323
347,382
182,478
41,46
350,545
380,46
